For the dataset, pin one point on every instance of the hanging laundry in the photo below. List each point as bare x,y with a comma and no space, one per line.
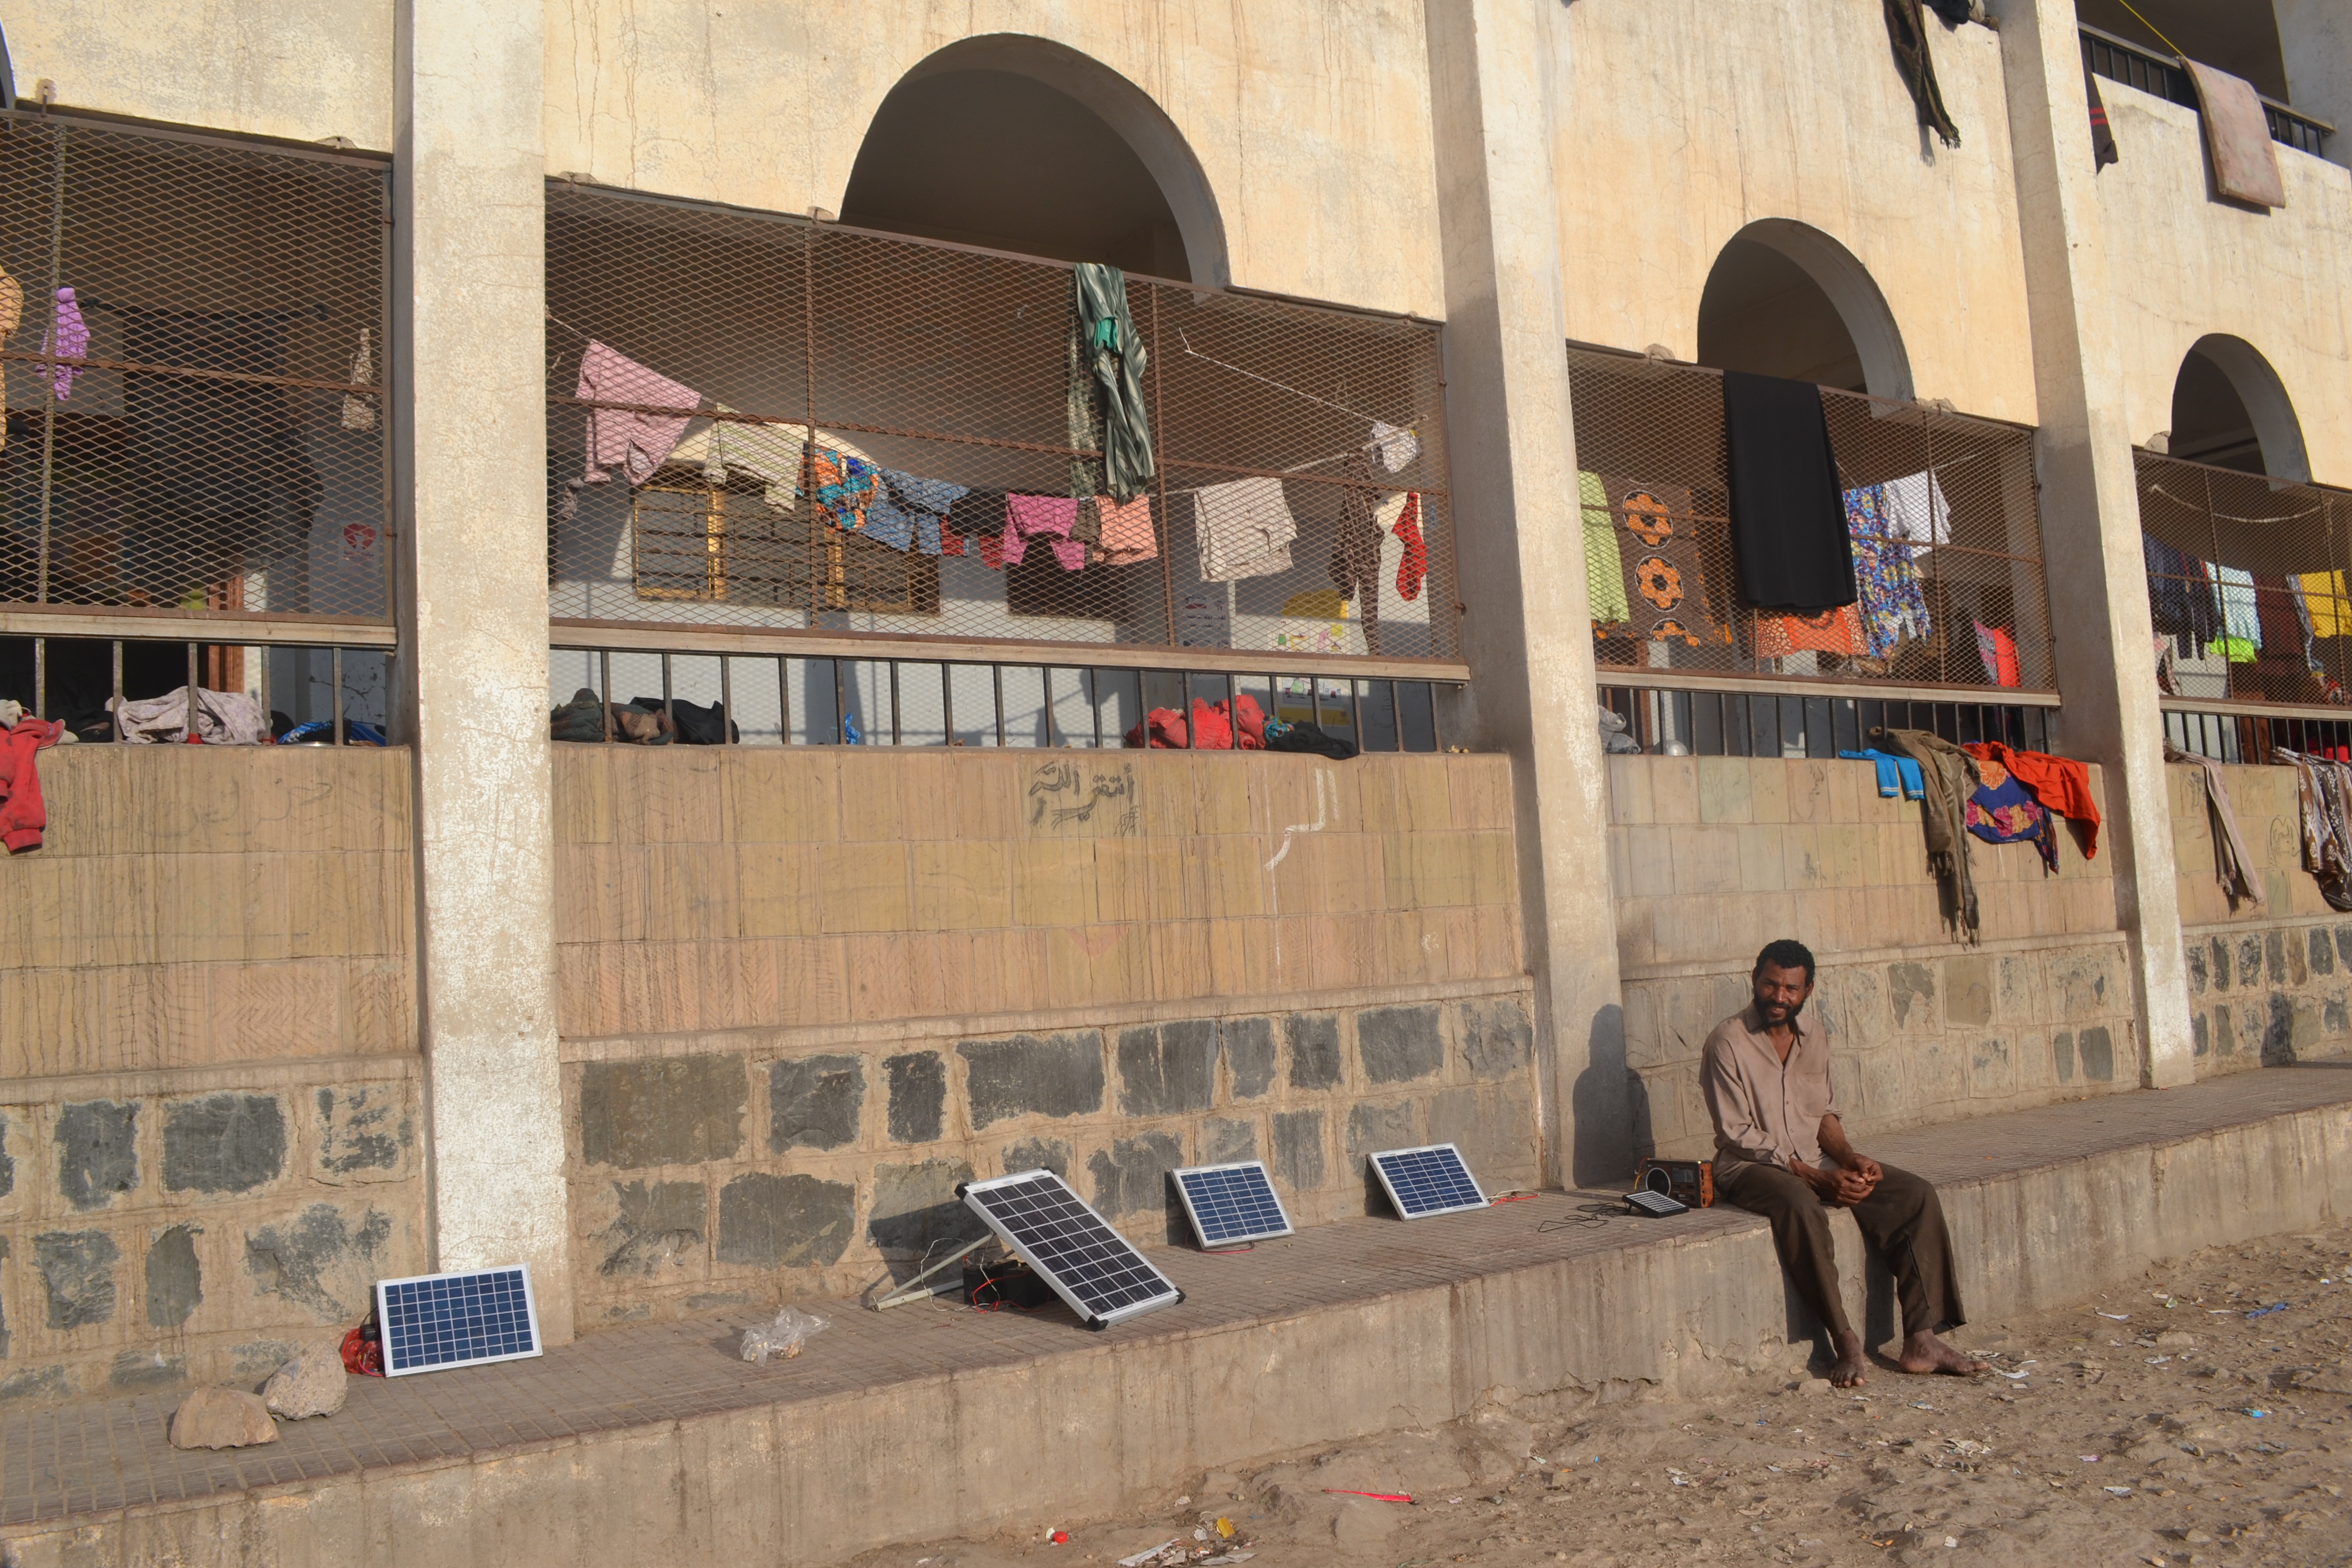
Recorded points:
1906,29
1605,563
771,453
24,815
1670,570
1893,604
842,487
976,515
1917,511
223,718
1048,518
1397,447
1788,518
1415,567
1838,631
2002,811
2238,135
359,409
2240,614
927,502
68,338
1113,357
2180,596
2103,135
1356,560
887,523
1893,773
2329,605
1127,532
1997,650
2233,862
2061,783
1243,529
12,316
634,439
1951,775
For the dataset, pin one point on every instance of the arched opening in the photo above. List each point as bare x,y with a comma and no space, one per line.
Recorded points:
2230,409
1784,298
1024,145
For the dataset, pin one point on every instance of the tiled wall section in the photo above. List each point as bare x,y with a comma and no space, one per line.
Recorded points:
1714,857
165,1228
2268,984
195,905
701,889
756,1170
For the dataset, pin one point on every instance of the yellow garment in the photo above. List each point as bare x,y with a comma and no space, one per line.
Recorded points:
12,314
2330,606
1605,567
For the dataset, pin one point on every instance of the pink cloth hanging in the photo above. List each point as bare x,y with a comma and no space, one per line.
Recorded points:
1049,517
636,442
68,338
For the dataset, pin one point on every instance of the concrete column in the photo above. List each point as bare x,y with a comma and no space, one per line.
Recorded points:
2089,513
1521,545
2316,41
470,431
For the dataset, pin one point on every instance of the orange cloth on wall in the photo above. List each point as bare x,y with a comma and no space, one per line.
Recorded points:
2059,783
1826,631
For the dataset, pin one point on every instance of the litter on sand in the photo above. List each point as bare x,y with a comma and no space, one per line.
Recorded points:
2266,1312
2013,1377
1147,1554
1376,1497
2119,1492
2118,1317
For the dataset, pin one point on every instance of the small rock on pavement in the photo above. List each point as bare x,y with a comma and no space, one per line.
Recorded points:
312,1384
222,1418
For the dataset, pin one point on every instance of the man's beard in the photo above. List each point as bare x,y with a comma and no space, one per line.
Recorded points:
1791,1012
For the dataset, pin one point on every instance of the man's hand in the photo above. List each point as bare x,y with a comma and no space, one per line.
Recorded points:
1849,1187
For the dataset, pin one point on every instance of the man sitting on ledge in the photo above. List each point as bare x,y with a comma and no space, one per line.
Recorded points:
1767,1081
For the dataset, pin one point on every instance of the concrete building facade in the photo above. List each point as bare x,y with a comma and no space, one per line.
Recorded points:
689,1030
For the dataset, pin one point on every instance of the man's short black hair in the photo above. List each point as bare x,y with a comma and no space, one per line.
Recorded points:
1785,953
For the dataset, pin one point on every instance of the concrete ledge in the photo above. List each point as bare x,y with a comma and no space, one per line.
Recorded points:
653,1445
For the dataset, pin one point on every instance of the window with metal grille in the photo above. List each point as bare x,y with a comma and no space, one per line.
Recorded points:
757,422
194,329
2246,585
1941,507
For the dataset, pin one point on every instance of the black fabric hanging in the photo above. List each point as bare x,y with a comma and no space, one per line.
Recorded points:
1788,515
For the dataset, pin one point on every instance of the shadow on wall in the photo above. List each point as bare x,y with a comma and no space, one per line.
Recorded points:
1610,1107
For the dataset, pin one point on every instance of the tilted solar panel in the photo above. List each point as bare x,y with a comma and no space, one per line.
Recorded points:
1428,1181
1232,1204
1091,1267
432,1321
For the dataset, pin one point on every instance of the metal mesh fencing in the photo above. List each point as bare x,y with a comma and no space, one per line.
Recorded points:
1947,531
758,421
2246,583
193,332
1778,724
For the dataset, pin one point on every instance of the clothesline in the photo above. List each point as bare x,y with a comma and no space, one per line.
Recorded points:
1278,386
2228,517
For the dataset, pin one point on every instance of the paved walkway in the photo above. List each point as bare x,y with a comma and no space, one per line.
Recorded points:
102,1457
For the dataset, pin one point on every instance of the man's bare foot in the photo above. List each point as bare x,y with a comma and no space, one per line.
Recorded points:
1852,1363
1923,1352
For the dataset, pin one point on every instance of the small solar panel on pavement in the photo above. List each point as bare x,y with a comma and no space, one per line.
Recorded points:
1428,1181
1232,1204
1091,1267
432,1321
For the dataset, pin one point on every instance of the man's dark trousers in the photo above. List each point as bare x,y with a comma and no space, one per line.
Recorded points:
1902,1221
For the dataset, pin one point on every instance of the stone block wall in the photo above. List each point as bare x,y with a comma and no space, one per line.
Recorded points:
806,1161
210,1121
2268,984
1714,857
807,991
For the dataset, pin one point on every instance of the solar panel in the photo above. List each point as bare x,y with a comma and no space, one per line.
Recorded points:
1089,1265
1428,1181
431,1321
1232,1204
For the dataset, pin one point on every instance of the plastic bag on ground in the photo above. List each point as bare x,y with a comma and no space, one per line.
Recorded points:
783,1336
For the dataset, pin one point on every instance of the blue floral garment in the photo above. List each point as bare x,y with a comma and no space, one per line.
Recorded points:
1893,604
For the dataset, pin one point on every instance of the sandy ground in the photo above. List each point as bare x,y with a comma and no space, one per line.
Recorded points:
2165,1424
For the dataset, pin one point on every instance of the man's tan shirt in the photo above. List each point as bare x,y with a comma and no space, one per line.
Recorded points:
1766,1112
